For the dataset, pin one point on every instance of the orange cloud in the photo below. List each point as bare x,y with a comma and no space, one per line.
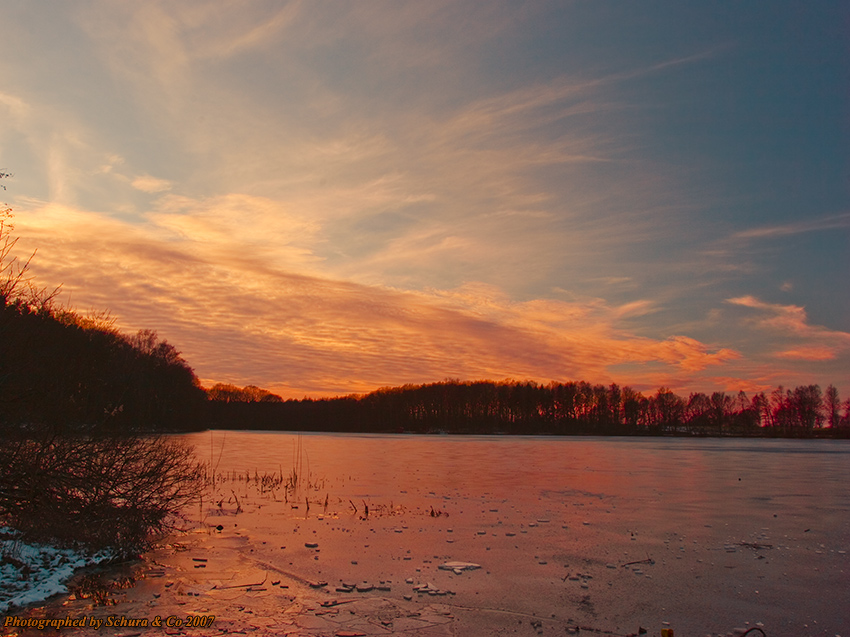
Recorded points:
240,317
813,353
736,384
790,319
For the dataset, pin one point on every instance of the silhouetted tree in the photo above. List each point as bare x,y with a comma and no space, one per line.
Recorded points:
807,407
249,394
698,413
666,410
781,415
845,418
832,405
634,408
760,408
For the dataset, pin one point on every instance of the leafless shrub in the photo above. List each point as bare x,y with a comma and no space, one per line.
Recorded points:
107,491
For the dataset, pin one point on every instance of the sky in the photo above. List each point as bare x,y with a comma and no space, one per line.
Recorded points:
323,198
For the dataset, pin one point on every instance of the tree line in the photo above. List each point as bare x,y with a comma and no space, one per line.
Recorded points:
512,407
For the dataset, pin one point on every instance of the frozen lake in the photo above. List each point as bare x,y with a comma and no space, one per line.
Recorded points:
614,534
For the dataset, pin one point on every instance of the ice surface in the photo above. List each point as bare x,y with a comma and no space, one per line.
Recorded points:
672,535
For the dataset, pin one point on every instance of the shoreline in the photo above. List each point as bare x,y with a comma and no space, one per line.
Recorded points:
173,584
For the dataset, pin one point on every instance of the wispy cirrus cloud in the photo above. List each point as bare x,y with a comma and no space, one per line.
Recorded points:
426,187
830,222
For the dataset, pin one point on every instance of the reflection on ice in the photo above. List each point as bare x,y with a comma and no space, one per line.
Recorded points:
560,523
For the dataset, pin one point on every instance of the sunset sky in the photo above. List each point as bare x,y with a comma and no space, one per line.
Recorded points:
323,198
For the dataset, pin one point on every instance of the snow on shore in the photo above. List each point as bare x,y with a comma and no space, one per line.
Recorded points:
30,573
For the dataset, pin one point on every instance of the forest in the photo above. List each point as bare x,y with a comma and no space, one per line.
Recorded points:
66,370
512,407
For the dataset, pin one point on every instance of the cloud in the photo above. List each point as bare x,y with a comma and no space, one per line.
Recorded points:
16,107
813,353
790,319
240,230
736,383
438,183
146,183
239,31
244,319
776,332
636,308
830,222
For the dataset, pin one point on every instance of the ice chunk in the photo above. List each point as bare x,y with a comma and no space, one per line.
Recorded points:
458,566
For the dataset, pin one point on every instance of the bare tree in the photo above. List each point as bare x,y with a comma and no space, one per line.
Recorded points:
832,404
15,283
807,406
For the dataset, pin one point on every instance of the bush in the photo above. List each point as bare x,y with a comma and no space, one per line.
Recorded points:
101,491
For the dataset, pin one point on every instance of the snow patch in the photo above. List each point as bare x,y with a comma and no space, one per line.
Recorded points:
30,573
